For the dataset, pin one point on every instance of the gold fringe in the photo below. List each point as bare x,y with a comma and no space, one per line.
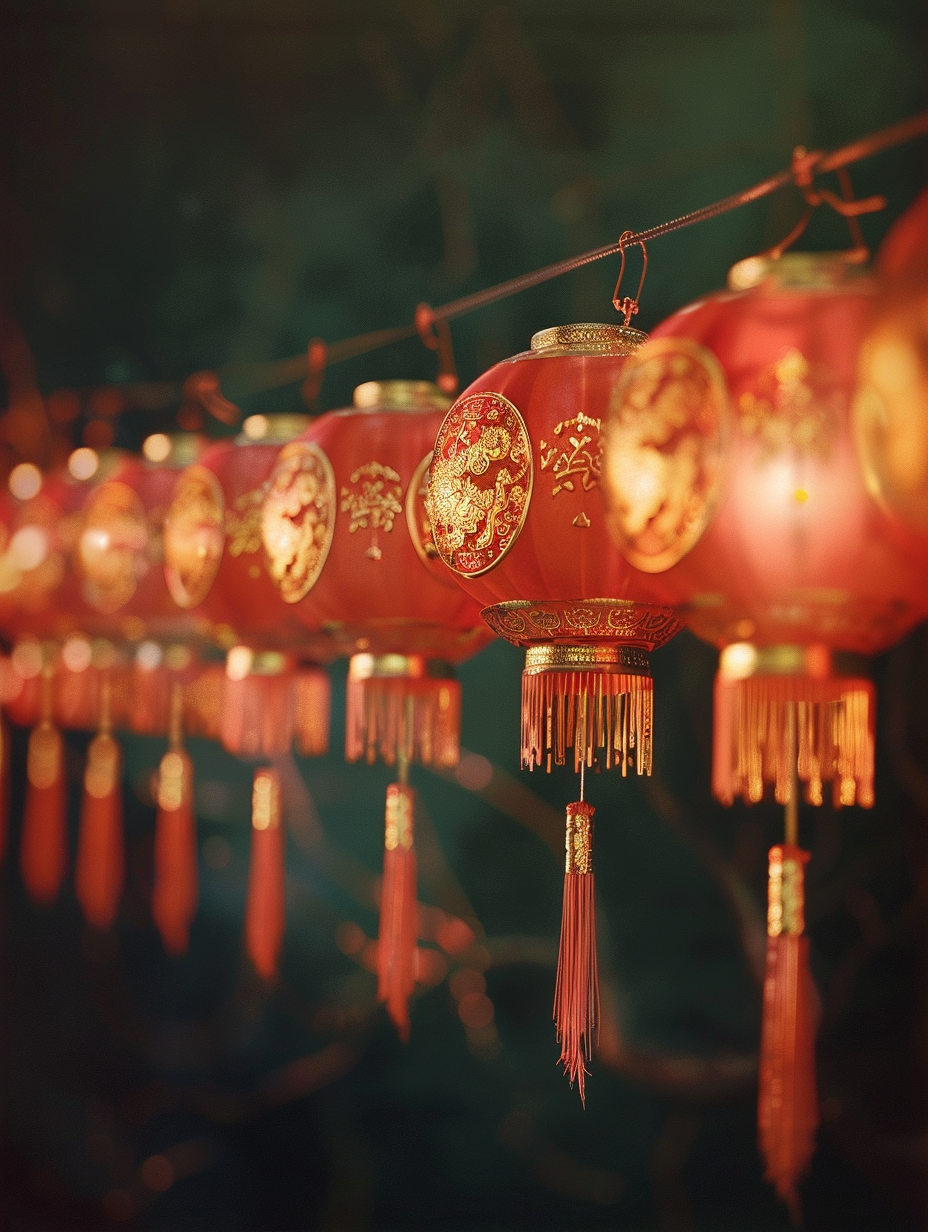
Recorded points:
834,738
416,718
586,711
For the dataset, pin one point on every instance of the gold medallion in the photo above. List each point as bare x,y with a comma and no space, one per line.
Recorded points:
481,483
112,546
194,535
666,443
298,518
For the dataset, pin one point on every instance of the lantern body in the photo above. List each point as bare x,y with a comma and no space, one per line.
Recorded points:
891,405
379,587
517,511
350,547
216,569
796,554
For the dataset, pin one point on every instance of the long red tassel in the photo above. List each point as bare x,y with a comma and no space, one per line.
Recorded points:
576,995
396,950
43,853
100,858
787,1110
174,899
264,909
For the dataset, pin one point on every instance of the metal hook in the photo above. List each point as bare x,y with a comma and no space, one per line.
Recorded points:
436,335
628,306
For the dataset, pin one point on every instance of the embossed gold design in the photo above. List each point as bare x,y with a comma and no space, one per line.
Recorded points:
552,657
588,339
420,527
786,892
298,518
579,838
111,548
527,622
372,501
243,523
792,407
666,444
575,457
194,535
481,483
399,821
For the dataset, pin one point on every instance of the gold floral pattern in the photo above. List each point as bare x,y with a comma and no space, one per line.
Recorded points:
666,443
575,456
243,523
793,406
372,501
194,536
529,623
481,483
298,518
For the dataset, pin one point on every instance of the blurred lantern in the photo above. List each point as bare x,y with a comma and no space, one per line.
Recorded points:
271,692
891,406
350,547
515,505
776,554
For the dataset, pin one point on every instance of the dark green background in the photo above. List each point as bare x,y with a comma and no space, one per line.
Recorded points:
189,183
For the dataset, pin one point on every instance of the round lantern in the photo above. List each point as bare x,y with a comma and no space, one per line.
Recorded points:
350,548
891,406
217,571
271,692
787,566
516,508
774,551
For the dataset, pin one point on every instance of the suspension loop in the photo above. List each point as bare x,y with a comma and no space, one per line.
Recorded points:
436,335
628,306
317,356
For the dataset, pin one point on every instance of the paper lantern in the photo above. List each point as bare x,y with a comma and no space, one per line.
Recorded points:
773,550
891,404
350,548
791,571
517,513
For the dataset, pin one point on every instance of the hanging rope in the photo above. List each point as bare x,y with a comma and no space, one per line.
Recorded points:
805,168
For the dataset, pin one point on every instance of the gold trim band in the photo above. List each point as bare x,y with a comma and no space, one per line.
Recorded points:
553,657
589,339
390,666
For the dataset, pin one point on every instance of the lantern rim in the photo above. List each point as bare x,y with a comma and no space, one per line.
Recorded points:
399,395
587,338
799,271
277,429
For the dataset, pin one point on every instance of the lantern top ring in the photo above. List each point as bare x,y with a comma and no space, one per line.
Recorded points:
630,660
400,396
399,666
588,338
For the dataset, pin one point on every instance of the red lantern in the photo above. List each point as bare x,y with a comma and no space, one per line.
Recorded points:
891,407
350,548
517,512
216,570
778,555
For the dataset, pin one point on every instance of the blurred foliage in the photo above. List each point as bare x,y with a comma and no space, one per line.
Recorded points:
188,183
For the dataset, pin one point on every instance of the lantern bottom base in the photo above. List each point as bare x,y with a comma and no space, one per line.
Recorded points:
402,708
594,700
769,728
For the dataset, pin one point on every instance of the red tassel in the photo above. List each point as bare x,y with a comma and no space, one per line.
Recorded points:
174,900
100,858
264,909
787,1111
576,995
257,704
396,950
44,848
